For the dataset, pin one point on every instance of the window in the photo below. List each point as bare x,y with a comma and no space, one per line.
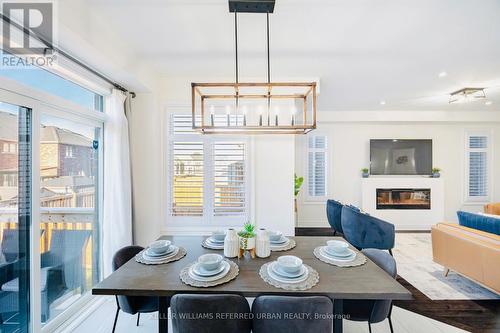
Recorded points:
44,80
9,148
478,155
316,166
68,153
208,177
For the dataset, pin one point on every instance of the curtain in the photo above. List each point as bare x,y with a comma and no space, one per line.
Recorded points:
117,201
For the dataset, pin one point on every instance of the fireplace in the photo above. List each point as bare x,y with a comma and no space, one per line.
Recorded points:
403,198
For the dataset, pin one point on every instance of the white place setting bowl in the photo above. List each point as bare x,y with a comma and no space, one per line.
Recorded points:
160,246
195,270
218,236
337,248
210,261
349,256
290,264
275,236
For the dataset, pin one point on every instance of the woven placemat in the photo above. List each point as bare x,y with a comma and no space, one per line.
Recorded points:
310,282
140,258
358,261
291,244
234,270
211,247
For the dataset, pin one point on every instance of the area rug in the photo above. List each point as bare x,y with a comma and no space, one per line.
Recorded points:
413,254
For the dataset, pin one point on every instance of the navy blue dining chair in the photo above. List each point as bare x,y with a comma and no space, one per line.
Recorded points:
333,214
131,304
364,231
373,311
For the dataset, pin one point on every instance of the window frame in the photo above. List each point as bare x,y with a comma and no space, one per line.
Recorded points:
208,220
43,103
316,198
488,133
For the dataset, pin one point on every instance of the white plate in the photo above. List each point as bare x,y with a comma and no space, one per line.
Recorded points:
213,240
346,254
281,279
214,245
329,256
278,270
281,244
150,253
173,253
282,240
200,271
196,277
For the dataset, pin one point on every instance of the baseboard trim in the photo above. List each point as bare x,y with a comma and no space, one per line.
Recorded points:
321,231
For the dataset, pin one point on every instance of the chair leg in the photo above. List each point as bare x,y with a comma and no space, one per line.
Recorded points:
446,271
369,327
390,252
138,318
390,324
334,232
116,319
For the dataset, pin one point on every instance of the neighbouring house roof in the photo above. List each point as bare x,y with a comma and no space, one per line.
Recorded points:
52,134
68,181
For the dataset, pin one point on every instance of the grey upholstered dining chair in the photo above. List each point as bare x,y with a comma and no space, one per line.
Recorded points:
210,313
333,214
304,314
131,304
373,311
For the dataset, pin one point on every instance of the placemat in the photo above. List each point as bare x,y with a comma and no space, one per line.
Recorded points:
211,247
234,270
311,281
291,244
140,258
358,261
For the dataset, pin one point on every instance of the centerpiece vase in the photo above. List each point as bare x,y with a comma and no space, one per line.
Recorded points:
263,244
231,244
247,244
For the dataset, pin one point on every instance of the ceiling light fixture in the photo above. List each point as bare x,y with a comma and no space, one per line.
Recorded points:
465,95
382,102
254,107
442,74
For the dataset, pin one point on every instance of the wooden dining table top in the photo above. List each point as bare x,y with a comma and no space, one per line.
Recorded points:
367,281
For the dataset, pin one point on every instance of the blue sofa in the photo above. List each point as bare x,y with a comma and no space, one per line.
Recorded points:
479,222
365,231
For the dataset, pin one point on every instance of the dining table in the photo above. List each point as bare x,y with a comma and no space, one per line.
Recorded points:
364,282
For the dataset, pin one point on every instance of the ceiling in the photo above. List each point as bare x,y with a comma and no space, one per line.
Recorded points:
363,52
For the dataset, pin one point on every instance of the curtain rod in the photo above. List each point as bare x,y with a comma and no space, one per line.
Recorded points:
49,45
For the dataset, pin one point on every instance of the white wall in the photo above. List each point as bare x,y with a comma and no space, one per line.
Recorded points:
348,142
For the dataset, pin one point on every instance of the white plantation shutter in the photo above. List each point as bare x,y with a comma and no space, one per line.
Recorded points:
478,166
316,178
229,178
208,175
187,178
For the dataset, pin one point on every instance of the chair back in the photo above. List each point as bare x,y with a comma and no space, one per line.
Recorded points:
285,314
125,254
333,214
381,308
210,313
365,231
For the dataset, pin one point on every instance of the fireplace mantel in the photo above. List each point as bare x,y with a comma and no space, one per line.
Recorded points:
405,219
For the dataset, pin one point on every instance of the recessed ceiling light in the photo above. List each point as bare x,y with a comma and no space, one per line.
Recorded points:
442,74
488,103
382,102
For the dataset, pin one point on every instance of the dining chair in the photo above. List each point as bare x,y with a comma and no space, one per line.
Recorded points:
210,314
131,304
62,270
364,231
290,314
333,214
373,311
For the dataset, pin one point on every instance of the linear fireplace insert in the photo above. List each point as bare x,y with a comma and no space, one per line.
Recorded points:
403,198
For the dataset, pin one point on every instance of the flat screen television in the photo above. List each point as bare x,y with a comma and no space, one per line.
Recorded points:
400,157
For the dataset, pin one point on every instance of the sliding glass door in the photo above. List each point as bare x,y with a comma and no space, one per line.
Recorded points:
15,217
69,170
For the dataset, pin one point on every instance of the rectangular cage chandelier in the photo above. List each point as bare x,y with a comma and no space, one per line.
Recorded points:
253,107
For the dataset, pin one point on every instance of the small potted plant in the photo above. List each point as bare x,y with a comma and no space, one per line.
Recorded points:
298,185
247,239
435,172
365,172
